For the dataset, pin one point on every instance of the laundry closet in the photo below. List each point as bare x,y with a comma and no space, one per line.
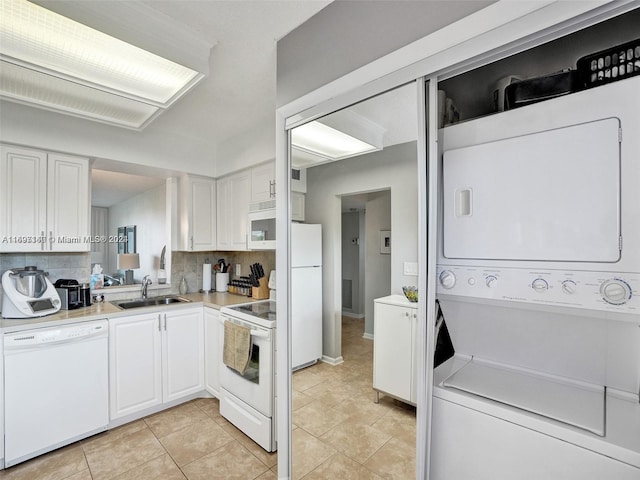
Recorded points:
539,266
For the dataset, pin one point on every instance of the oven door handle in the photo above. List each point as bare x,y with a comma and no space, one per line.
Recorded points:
258,333
254,333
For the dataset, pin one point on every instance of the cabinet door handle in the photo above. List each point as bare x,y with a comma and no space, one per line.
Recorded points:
165,322
50,239
159,322
272,188
43,241
192,243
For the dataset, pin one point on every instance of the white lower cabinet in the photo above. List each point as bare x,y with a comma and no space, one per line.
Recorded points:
394,347
212,352
154,358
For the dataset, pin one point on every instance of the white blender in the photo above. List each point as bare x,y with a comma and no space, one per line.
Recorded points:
28,293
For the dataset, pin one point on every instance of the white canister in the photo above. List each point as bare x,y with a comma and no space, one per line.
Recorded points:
222,282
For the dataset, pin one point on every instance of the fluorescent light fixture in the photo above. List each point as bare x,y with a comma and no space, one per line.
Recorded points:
50,61
319,139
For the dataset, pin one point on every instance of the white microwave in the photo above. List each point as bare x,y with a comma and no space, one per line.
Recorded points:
262,226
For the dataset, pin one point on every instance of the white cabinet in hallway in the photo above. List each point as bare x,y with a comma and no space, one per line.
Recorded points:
44,201
394,348
154,358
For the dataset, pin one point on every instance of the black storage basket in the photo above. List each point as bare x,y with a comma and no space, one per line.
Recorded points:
610,65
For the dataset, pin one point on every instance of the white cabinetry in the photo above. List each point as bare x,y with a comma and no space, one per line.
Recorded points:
196,220
263,182
154,358
135,364
394,347
44,201
233,198
212,350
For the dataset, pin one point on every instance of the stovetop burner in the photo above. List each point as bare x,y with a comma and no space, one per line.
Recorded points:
264,310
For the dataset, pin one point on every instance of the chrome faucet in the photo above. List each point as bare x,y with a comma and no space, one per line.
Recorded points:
146,281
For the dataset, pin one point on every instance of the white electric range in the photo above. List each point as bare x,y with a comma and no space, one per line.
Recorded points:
248,399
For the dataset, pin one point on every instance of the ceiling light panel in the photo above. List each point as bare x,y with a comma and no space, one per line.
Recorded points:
44,39
319,139
30,87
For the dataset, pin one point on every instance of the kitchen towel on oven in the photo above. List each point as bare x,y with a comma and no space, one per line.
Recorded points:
237,346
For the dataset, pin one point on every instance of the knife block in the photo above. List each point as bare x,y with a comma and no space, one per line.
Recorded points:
261,292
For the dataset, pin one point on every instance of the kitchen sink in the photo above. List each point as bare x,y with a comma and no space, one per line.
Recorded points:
150,302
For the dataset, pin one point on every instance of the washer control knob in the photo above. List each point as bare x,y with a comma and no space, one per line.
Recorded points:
540,285
447,279
491,281
615,291
569,287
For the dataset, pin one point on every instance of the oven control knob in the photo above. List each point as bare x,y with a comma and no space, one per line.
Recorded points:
447,279
491,281
615,291
540,285
569,287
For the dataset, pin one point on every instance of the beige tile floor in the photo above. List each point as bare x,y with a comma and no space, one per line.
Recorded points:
338,434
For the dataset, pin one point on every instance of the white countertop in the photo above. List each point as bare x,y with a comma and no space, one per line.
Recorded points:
103,310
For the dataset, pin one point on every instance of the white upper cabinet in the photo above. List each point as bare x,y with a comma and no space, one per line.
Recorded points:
234,195
196,220
44,201
263,182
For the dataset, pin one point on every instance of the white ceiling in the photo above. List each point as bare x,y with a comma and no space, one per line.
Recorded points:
239,95
240,91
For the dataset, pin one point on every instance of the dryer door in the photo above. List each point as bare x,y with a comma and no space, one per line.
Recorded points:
547,196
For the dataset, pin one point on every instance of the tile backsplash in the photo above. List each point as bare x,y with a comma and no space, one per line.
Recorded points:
59,265
189,264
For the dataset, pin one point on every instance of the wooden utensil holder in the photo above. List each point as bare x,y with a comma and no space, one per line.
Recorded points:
261,292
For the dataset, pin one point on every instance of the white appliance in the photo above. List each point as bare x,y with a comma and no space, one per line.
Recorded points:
28,293
248,400
56,387
539,283
306,294
262,226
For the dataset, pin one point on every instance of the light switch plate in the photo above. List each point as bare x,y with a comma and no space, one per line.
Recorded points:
411,268
238,270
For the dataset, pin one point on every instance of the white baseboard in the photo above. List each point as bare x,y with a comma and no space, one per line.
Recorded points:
352,315
368,336
332,360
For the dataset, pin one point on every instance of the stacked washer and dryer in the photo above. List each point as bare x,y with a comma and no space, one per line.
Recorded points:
539,284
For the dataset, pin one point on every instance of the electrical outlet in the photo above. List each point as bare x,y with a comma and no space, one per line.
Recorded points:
238,270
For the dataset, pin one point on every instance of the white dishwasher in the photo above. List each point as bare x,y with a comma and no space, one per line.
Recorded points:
56,387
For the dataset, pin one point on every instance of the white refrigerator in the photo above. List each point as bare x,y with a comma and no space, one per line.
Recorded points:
306,294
